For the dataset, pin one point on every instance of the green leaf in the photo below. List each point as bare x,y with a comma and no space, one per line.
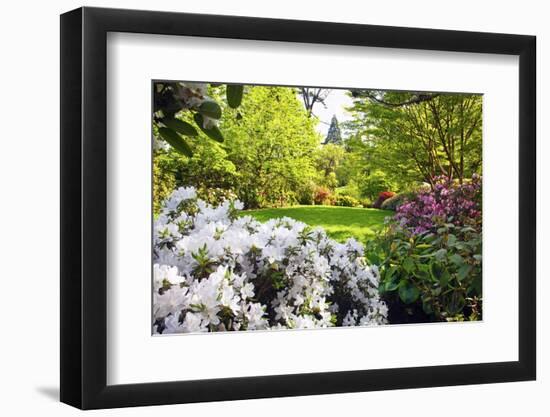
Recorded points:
391,286
436,270
427,307
451,240
212,133
176,141
408,293
390,279
423,246
463,271
476,285
181,127
234,95
444,279
456,304
456,259
210,109
408,264
440,254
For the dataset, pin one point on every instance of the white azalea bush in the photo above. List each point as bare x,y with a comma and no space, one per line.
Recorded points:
216,271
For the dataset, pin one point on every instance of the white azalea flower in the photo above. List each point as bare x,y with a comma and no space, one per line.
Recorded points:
215,272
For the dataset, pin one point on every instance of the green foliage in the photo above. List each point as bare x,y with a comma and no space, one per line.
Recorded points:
180,126
305,194
175,140
327,159
270,139
415,137
209,167
213,132
174,102
366,202
436,274
210,109
373,184
350,189
164,180
346,201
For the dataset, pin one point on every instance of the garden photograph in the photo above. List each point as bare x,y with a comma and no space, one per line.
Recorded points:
292,207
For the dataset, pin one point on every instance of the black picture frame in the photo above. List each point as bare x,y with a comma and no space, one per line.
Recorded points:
84,207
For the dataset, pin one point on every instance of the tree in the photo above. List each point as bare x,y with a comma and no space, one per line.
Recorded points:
417,137
270,140
334,135
311,96
327,160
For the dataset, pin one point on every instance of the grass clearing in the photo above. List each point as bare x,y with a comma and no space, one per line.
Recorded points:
340,223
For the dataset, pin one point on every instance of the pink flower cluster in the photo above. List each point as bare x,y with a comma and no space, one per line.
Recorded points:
447,202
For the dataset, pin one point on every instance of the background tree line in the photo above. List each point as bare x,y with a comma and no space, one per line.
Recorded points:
272,156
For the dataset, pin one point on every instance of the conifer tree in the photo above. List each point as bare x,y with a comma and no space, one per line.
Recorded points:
334,135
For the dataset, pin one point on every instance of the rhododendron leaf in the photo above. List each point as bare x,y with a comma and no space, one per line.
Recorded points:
456,259
391,286
391,281
427,307
408,264
211,109
444,279
212,132
408,293
176,141
457,303
423,246
181,127
451,240
476,284
422,273
440,254
436,270
234,95
463,271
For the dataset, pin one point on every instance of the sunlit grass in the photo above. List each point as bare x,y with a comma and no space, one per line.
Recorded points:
340,223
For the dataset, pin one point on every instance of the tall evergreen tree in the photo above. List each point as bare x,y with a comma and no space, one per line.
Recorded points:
334,135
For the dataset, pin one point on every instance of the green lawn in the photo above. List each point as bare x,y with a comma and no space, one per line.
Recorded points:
340,223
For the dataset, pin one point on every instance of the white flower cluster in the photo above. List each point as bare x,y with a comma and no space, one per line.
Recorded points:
215,271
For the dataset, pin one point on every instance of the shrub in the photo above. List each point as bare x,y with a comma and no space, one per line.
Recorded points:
384,195
431,275
346,201
351,189
375,183
323,195
306,193
394,202
216,271
448,202
163,182
215,196
365,202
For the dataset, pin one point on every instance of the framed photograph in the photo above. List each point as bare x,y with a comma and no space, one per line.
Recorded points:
257,208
